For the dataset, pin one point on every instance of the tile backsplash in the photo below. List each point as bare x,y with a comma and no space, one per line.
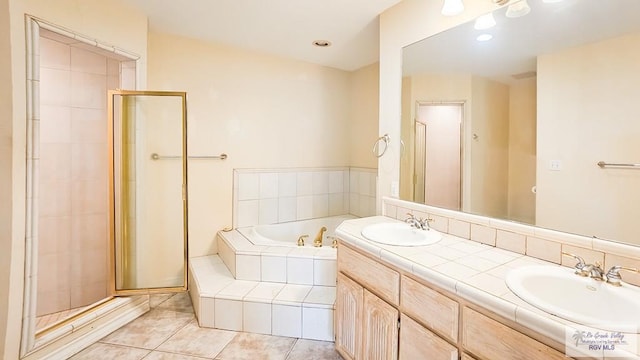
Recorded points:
525,239
270,196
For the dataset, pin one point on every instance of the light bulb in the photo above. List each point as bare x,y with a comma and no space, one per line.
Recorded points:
485,22
452,7
521,8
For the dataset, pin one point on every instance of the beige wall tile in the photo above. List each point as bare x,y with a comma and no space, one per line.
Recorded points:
55,87
89,197
55,124
54,54
88,90
89,162
543,249
459,228
88,62
55,198
55,163
54,234
89,126
511,241
483,234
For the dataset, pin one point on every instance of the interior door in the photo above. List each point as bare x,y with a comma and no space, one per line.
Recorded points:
148,222
442,154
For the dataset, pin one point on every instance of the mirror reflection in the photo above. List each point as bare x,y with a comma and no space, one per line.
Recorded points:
510,121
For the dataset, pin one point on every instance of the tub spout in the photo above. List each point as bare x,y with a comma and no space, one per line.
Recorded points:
317,242
301,239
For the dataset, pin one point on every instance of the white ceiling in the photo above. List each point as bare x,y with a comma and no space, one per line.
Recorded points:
282,27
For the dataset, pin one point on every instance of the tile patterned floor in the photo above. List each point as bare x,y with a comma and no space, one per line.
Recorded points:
50,319
170,332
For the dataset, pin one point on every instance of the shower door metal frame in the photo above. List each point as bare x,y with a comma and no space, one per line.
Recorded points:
112,198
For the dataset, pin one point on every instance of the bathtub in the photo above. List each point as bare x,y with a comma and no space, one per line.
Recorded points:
287,234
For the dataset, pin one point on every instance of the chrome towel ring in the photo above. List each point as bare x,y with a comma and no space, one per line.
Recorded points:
385,139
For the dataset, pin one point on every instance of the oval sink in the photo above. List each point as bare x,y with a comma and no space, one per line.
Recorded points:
400,234
559,291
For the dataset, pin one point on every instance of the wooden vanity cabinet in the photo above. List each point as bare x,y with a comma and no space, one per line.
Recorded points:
348,317
416,342
366,326
382,314
489,339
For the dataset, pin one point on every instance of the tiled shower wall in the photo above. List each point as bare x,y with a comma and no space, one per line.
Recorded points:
269,196
73,176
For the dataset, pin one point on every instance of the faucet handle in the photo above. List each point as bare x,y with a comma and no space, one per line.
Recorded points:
580,265
613,275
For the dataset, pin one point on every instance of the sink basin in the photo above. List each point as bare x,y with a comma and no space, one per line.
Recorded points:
583,300
400,234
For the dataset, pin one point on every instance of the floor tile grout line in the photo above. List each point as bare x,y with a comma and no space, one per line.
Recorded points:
291,349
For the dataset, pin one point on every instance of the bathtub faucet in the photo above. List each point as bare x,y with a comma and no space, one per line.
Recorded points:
317,242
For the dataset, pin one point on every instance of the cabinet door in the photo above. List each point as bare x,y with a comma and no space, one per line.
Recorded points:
348,314
416,342
489,339
379,329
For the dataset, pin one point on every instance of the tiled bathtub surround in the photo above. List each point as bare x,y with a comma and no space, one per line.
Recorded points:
528,240
269,196
292,310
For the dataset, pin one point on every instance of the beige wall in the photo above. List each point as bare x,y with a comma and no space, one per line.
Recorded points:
363,121
581,122
429,87
73,176
7,255
486,114
490,150
522,150
401,25
263,111
109,21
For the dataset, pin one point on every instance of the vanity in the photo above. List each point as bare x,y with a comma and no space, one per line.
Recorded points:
437,302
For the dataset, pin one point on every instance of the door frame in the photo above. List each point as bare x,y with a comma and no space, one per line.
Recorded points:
33,341
112,198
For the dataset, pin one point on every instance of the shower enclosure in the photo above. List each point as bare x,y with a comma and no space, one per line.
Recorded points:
105,217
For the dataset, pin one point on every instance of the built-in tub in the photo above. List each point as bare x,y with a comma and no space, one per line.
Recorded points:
287,234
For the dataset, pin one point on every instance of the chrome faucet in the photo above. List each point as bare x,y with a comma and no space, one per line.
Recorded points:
418,223
613,275
595,271
580,265
317,242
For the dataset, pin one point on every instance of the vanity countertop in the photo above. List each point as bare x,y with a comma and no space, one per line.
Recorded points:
475,272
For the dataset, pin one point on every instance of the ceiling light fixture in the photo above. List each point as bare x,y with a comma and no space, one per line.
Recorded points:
518,9
322,43
452,7
551,1
484,22
484,37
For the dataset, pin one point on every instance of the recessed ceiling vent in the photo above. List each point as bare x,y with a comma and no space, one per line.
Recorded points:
524,75
322,43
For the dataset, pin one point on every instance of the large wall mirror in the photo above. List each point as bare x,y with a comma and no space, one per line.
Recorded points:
511,120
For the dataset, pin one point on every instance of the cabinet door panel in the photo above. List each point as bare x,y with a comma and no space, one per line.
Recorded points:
349,301
372,275
489,339
379,329
416,342
428,306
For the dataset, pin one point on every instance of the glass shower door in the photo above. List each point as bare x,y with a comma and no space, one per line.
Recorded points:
149,176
